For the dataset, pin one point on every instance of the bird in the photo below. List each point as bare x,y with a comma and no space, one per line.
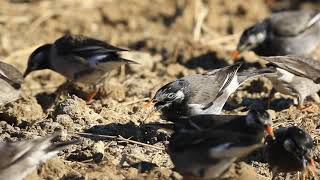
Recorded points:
208,153
289,151
294,77
201,93
254,123
18,159
11,80
79,58
283,33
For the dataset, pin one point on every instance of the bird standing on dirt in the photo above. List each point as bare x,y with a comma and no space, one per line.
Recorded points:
292,77
291,32
201,93
18,159
209,153
254,123
290,151
78,58
11,80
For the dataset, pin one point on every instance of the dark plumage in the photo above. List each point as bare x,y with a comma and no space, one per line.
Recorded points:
79,59
290,151
208,153
254,123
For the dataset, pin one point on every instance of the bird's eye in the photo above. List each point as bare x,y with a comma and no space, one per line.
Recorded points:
171,96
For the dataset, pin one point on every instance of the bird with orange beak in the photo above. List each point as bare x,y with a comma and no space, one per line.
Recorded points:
290,151
254,123
283,33
202,93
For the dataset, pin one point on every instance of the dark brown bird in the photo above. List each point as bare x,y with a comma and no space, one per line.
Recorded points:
79,58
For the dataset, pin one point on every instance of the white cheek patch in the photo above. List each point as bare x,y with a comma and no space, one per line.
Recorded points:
180,95
261,37
252,39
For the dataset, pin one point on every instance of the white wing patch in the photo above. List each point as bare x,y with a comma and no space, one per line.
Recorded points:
314,20
2,73
233,86
219,102
224,150
218,151
94,60
285,75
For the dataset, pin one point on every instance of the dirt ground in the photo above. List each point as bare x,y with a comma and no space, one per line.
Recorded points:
163,37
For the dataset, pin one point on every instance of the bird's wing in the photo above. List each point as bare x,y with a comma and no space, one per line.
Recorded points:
92,50
204,121
292,23
29,153
254,73
209,86
10,74
300,66
217,142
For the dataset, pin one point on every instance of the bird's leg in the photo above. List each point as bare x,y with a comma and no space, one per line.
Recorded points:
92,95
95,91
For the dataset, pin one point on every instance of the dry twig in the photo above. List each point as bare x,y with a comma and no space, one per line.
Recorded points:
201,13
118,138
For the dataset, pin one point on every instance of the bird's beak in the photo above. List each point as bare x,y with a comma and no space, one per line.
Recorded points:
268,128
149,104
26,72
235,55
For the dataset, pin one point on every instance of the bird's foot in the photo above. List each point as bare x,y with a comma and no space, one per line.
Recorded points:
91,96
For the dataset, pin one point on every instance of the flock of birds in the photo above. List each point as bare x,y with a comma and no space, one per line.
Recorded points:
205,142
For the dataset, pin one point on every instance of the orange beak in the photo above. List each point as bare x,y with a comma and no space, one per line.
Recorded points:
235,54
148,104
269,130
